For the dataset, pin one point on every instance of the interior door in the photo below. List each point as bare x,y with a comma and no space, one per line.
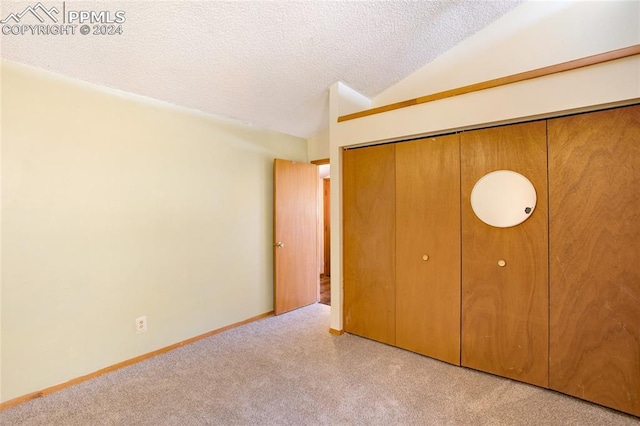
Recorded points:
368,194
594,181
505,270
428,247
295,217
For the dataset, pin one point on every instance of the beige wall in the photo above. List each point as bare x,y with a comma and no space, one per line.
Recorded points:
534,35
114,207
318,145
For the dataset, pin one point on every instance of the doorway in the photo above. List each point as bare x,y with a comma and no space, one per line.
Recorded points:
324,231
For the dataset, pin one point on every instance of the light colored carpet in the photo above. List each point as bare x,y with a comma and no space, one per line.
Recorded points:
289,370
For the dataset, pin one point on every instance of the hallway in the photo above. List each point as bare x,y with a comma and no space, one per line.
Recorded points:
325,290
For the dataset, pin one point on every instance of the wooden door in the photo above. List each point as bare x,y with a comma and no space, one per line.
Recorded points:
368,194
505,309
594,180
295,235
428,247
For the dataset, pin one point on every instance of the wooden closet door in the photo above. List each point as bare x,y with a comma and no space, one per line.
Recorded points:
369,242
594,180
428,247
505,309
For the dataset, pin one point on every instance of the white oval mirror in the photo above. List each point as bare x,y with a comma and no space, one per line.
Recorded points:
503,198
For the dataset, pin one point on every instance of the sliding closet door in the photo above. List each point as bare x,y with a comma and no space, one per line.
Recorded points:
505,270
369,242
594,178
428,247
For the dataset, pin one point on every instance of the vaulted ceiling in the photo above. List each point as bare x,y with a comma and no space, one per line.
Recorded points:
266,63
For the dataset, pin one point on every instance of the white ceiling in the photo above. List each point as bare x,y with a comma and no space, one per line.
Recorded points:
267,63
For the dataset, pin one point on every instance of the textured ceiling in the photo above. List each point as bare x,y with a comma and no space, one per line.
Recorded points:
267,63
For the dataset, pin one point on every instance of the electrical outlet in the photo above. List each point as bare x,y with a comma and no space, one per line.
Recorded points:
141,324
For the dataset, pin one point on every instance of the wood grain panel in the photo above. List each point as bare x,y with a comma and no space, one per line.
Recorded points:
594,178
296,277
505,309
369,242
428,224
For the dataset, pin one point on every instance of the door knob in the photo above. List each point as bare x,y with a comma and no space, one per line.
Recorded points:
279,244
501,263
425,257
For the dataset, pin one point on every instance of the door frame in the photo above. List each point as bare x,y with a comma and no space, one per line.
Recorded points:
320,230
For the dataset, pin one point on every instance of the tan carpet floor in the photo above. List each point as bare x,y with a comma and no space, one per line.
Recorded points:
288,370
